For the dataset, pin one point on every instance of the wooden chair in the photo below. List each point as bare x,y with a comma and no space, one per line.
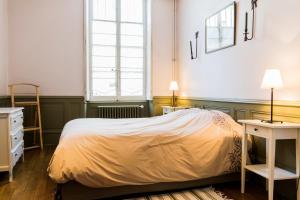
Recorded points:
35,103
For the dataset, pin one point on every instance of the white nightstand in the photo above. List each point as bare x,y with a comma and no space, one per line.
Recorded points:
169,109
271,132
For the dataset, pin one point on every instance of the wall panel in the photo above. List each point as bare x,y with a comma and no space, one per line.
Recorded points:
55,111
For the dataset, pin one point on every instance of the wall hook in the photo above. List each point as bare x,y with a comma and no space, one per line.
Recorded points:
246,33
191,46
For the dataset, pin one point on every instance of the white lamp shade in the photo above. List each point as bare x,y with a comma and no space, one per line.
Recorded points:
173,86
272,79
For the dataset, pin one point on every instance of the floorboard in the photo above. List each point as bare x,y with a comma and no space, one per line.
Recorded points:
30,178
31,181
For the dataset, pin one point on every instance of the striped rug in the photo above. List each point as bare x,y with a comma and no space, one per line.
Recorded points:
197,194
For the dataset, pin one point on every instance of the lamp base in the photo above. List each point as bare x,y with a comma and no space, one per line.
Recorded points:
272,122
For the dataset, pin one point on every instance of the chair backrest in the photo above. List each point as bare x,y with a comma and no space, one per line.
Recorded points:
24,89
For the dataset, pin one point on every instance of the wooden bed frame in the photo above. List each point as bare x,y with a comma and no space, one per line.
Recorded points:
75,191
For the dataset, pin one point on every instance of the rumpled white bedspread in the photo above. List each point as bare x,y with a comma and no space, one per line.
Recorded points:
184,145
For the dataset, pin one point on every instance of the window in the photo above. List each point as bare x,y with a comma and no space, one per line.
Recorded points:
117,49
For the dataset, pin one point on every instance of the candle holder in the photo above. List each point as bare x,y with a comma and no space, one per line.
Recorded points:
246,33
191,46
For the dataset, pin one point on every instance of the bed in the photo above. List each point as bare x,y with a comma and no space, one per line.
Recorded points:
108,158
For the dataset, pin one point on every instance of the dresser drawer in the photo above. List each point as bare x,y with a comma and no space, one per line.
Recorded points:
16,120
16,138
17,152
257,130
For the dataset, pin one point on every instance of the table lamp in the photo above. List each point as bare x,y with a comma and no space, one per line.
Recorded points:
272,80
173,88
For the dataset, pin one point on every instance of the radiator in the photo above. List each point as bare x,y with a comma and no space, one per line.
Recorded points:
123,111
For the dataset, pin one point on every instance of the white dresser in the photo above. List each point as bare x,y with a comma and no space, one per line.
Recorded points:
11,139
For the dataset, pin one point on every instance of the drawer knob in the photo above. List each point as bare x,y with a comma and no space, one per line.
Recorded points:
256,129
16,155
15,138
15,121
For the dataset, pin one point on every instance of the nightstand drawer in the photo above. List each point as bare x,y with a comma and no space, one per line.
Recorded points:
257,130
16,121
16,138
17,153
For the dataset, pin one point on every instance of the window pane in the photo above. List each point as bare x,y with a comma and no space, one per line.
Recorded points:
131,75
132,87
104,51
104,39
104,76
134,70
104,27
104,9
104,87
137,63
132,52
132,29
132,35
103,73
108,62
132,10
132,41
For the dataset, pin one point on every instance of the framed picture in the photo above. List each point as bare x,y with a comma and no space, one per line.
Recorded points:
220,29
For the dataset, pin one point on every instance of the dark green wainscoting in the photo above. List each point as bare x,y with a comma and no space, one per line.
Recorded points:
55,111
4,101
157,103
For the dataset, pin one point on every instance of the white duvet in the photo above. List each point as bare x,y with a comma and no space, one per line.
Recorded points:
181,146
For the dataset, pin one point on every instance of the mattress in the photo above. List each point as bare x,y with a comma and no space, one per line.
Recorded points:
181,146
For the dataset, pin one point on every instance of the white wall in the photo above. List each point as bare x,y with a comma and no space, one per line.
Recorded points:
237,72
162,46
46,45
3,47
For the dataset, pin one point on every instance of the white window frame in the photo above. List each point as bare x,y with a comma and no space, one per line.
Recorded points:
146,54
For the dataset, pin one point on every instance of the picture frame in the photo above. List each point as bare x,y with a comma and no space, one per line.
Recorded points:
220,29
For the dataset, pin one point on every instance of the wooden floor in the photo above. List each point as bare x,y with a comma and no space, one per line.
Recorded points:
253,191
32,183
30,178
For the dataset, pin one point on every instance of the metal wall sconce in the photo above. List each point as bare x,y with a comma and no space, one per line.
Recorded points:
246,33
191,46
